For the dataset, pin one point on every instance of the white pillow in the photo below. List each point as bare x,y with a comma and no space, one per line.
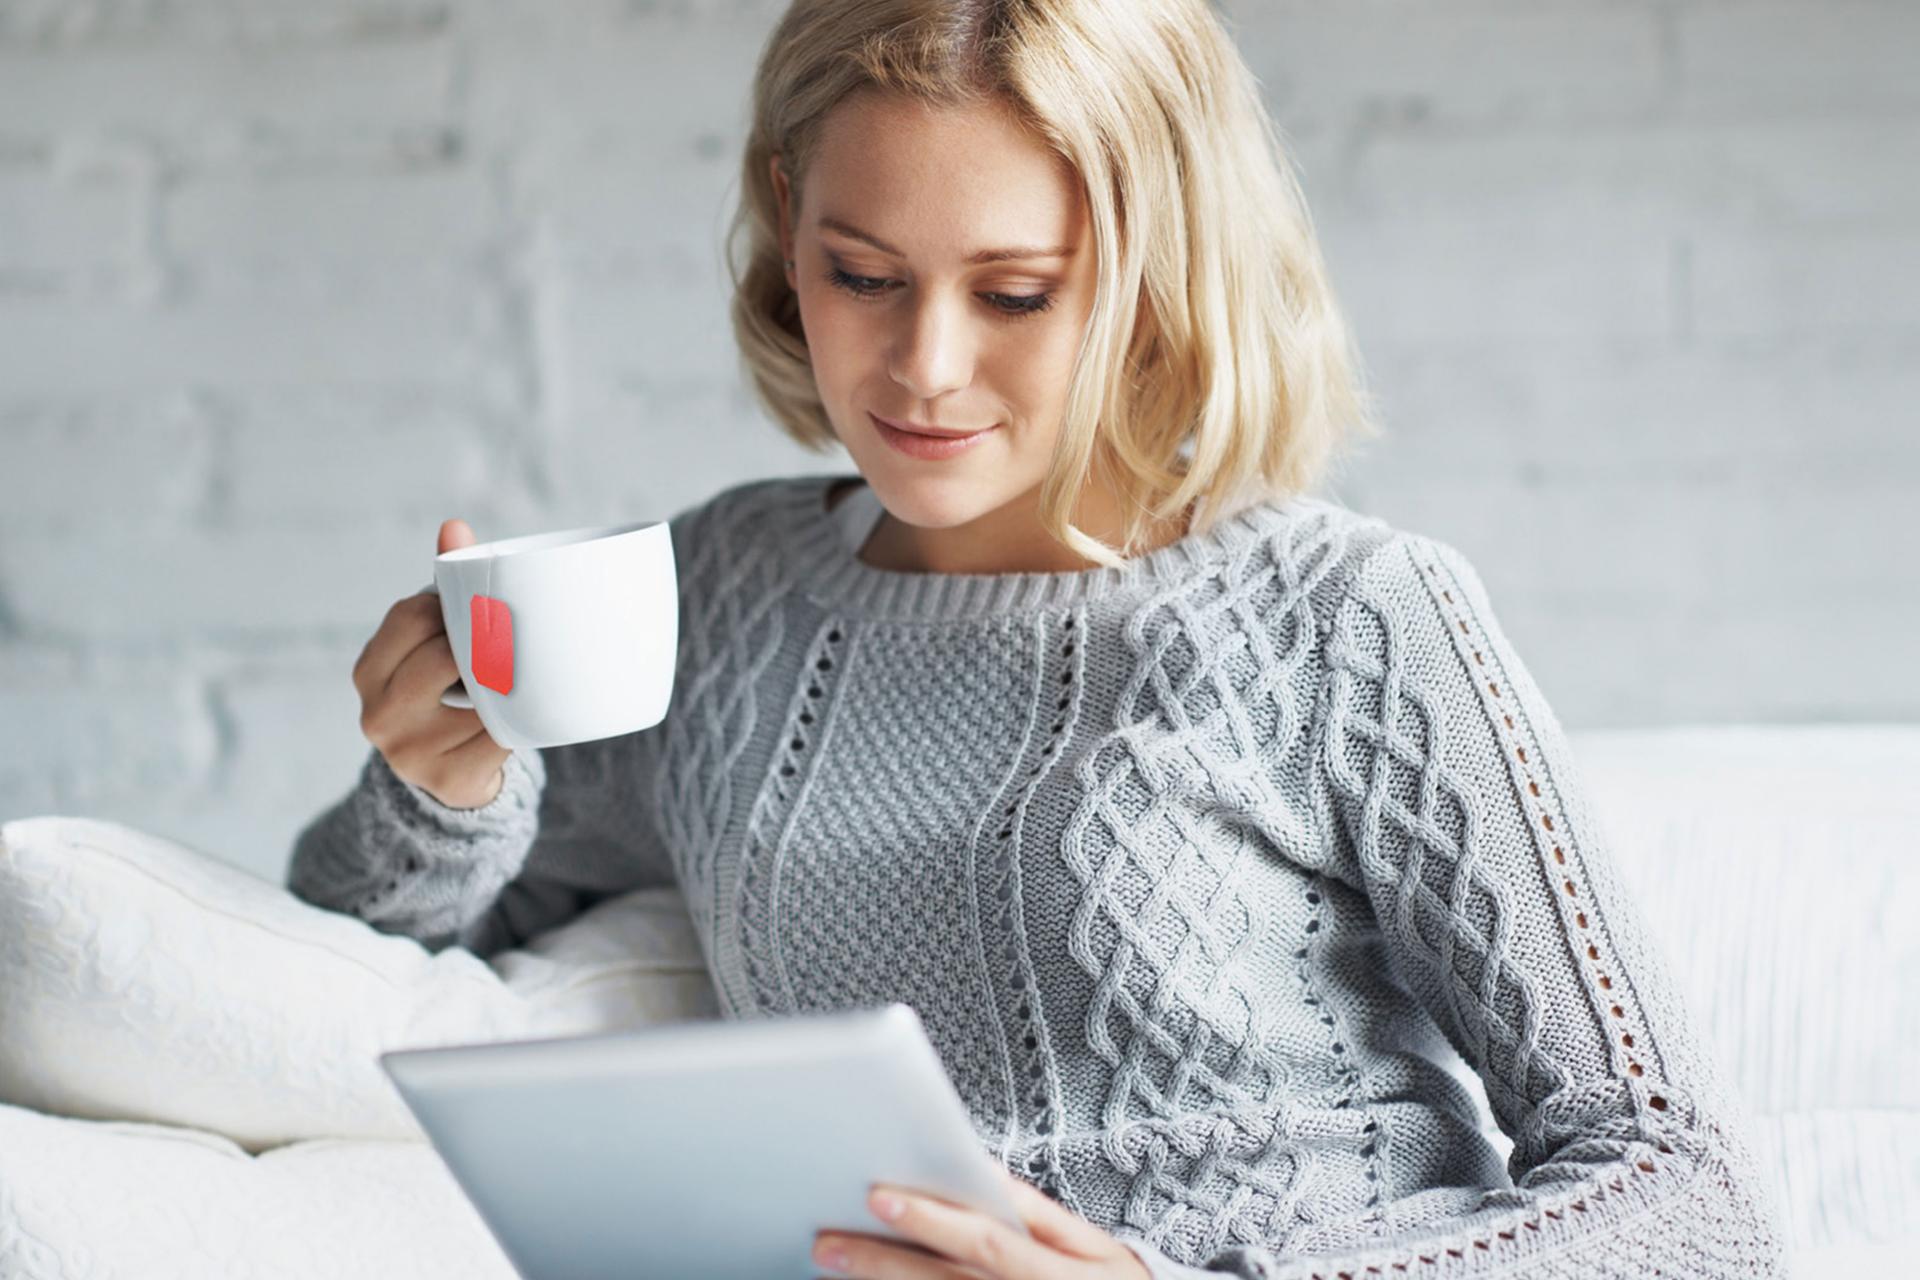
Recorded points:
101,1198
144,980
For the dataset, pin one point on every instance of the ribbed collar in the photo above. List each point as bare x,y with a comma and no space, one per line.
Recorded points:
832,574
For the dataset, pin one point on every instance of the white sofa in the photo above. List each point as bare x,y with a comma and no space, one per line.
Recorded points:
187,1083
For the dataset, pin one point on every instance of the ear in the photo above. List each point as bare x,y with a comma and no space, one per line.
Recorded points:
783,195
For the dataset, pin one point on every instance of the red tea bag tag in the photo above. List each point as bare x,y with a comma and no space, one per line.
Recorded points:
493,643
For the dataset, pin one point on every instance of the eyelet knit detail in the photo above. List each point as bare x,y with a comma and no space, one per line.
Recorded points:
1352,1087
1039,1119
1559,865
760,858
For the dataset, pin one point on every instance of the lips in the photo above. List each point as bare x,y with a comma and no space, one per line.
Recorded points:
943,433
930,448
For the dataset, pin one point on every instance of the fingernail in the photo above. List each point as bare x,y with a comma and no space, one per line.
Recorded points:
830,1256
887,1205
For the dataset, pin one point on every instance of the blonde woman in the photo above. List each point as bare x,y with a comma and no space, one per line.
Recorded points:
1189,810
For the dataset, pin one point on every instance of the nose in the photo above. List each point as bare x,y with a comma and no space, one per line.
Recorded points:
934,353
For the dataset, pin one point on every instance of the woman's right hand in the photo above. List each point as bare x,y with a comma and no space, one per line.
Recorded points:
400,676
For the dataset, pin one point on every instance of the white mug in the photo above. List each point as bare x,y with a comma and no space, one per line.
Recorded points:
563,637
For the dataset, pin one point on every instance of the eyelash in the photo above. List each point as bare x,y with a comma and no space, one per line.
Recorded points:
866,287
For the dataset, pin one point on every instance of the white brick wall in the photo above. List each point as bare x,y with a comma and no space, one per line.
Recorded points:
282,285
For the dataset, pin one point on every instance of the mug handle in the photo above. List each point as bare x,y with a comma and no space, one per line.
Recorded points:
456,694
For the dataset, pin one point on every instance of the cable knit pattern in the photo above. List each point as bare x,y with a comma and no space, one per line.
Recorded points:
1192,867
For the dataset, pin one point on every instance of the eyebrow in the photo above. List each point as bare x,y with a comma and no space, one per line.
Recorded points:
985,255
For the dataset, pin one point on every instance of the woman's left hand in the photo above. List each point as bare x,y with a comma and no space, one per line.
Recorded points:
964,1243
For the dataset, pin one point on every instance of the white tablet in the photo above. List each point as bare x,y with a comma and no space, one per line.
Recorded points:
710,1149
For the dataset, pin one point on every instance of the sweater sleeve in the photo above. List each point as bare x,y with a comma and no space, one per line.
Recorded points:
570,825
1456,806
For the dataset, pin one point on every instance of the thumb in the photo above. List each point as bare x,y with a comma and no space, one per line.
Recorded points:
1053,1223
455,534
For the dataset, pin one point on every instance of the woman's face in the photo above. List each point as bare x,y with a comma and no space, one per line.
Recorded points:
905,321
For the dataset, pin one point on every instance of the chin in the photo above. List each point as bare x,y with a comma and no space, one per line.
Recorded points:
929,502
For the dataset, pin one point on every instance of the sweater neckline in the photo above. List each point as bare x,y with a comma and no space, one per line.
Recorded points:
833,575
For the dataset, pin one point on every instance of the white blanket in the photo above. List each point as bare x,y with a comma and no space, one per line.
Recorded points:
108,1200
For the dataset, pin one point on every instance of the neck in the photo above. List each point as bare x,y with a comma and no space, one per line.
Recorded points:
1010,539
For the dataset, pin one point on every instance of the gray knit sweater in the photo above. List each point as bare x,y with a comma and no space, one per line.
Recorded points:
1186,866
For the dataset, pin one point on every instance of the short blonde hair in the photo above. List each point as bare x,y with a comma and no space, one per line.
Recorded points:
1216,366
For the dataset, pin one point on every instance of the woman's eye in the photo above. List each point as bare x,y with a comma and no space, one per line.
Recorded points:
1021,304
863,286
1007,304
